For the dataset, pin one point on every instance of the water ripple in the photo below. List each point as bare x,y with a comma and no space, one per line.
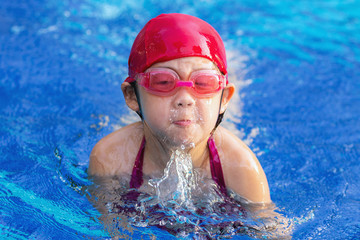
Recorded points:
73,218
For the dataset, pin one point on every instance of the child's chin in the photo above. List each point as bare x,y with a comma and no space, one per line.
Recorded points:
184,143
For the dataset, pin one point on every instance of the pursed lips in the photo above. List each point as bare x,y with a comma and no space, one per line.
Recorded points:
183,122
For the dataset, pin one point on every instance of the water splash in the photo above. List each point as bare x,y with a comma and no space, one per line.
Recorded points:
179,171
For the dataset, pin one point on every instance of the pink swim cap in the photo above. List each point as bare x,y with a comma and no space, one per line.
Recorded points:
175,35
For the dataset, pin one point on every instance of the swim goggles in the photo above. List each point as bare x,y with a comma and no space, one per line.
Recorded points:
164,82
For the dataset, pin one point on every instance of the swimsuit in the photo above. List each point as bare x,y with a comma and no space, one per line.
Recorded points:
215,166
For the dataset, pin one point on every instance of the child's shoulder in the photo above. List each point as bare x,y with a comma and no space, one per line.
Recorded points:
115,153
233,147
242,170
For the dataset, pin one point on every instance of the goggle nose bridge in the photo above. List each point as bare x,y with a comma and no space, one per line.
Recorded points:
184,84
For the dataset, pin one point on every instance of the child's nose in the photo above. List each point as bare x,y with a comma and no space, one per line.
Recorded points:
184,98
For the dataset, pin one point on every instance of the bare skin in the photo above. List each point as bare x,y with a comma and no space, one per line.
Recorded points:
176,120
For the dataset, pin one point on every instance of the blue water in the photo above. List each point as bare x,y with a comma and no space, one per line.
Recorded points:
61,66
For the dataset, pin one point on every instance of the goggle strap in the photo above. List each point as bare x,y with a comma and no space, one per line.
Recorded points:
134,85
220,115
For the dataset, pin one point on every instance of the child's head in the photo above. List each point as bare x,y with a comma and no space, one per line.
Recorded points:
190,55
171,36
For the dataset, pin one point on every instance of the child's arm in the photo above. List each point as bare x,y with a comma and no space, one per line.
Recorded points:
242,170
98,165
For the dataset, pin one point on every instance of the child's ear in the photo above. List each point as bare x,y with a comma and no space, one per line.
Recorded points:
130,96
229,91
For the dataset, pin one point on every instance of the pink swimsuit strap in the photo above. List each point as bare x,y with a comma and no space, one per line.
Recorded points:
215,166
137,173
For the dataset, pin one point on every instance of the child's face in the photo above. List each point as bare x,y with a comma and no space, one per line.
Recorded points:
181,118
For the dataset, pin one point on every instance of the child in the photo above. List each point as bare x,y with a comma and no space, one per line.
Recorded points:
178,85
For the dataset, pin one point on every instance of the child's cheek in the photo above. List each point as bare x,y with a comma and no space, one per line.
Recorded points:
157,111
209,110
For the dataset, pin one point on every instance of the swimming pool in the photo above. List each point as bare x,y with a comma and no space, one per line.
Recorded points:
296,64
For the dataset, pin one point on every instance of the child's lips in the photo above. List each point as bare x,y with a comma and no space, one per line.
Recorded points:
183,122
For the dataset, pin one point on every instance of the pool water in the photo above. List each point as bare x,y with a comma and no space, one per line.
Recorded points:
296,65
